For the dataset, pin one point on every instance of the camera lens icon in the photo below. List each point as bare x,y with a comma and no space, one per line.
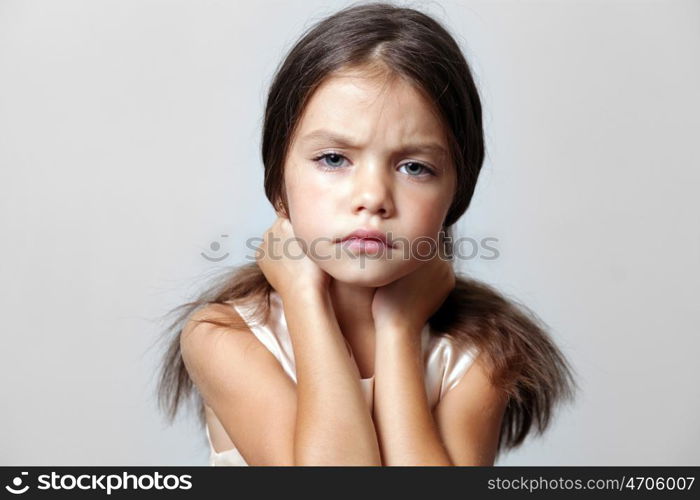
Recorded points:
17,483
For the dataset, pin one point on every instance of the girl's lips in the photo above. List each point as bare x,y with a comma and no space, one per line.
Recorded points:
368,245
368,235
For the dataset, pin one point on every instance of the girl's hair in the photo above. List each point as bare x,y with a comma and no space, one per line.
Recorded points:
401,42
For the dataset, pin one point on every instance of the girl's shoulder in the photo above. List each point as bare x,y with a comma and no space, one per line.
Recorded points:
217,315
447,360
266,321
255,308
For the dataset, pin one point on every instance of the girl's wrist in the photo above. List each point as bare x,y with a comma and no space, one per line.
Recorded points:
395,327
306,297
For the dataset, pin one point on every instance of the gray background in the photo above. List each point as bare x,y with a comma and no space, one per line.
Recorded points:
129,142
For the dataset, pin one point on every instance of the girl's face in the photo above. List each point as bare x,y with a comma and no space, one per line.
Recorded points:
369,153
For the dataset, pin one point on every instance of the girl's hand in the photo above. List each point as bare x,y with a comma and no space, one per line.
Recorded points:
285,265
410,301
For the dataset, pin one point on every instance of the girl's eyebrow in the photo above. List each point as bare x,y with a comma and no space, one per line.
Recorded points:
327,136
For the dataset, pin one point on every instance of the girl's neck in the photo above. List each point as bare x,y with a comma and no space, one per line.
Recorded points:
353,308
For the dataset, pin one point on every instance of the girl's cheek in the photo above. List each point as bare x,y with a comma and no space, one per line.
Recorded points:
312,201
312,210
427,214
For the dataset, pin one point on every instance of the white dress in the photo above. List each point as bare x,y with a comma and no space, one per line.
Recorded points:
444,363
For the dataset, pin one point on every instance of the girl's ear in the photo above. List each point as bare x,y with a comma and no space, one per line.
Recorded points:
280,210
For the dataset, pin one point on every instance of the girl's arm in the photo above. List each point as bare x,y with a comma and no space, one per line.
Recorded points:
466,426
243,383
467,420
407,431
333,424
402,416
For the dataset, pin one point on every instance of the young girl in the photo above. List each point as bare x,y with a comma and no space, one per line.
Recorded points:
350,341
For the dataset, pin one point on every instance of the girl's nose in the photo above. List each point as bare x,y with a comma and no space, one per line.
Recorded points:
372,190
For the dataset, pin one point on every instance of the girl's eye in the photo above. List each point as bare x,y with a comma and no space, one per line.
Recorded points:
419,166
332,161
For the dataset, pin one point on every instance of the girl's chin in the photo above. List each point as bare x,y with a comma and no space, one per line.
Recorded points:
368,273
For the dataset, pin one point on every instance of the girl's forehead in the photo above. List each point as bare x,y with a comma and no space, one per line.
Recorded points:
357,101
358,88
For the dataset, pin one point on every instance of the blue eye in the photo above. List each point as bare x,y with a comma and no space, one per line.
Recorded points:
334,157
420,166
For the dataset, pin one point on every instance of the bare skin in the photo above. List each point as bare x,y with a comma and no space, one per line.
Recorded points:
377,307
375,182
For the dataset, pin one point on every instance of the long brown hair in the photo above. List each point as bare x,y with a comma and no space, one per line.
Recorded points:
522,358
